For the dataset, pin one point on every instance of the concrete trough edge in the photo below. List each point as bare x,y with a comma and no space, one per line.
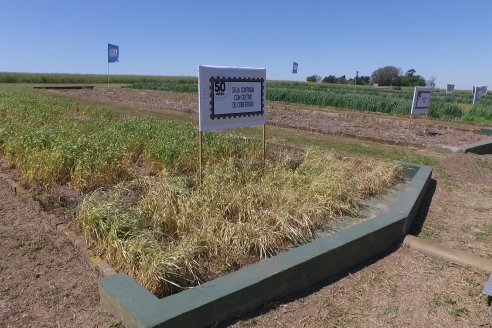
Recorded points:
486,131
64,87
481,147
292,271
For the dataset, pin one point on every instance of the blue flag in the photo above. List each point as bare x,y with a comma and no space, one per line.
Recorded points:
294,68
113,53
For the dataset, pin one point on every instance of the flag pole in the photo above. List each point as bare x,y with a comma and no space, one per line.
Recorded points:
108,66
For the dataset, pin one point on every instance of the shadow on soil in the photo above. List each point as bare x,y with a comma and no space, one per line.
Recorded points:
276,304
419,220
414,230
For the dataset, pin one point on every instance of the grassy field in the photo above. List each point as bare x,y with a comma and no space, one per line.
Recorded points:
143,208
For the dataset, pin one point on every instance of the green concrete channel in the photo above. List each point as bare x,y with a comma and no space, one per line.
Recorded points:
481,147
486,131
292,271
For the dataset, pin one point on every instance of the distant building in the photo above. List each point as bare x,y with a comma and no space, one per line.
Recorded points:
341,79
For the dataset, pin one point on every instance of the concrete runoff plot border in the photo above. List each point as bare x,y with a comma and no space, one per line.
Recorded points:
486,131
481,147
289,272
65,87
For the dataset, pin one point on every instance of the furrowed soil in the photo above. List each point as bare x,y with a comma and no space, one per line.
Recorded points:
43,283
419,132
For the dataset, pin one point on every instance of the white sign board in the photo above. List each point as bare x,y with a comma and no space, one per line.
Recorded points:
488,287
421,100
450,88
478,92
231,97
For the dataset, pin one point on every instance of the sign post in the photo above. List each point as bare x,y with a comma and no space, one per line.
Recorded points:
478,92
200,155
449,88
264,143
230,97
421,102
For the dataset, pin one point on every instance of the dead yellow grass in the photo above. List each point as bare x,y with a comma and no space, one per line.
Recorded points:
170,234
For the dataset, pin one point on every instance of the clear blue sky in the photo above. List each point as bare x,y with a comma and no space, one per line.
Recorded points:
446,38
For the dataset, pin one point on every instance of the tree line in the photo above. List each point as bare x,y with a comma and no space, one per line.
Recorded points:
384,76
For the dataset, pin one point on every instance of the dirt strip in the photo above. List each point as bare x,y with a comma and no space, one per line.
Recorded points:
43,281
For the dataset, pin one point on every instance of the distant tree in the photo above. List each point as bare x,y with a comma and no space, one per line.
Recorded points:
364,79
410,79
388,75
313,78
431,82
329,79
361,80
410,72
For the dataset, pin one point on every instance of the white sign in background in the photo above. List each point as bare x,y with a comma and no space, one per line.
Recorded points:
450,88
231,97
421,100
478,92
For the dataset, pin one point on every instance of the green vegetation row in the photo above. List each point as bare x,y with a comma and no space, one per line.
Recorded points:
53,139
62,78
458,97
349,98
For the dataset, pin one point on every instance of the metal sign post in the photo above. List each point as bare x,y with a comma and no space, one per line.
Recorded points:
478,92
421,103
200,157
264,144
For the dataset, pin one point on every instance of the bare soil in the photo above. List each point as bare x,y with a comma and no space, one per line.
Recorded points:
43,283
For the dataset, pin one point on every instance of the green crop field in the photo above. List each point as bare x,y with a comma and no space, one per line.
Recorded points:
365,98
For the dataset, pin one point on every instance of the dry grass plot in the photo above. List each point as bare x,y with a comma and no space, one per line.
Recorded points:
170,233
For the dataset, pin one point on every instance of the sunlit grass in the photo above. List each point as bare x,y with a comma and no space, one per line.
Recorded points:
170,233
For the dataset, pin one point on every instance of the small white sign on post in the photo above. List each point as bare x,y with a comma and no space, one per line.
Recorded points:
231,97
450,88
478,92
421,100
